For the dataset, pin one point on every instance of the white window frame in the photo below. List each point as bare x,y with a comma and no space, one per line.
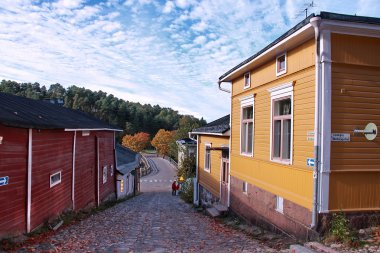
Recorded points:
111,170
57,182
208,169
278,71
245,187
245,102
279,204
278,92
105,174
247,80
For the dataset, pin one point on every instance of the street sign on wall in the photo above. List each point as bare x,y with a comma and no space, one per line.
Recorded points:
4,180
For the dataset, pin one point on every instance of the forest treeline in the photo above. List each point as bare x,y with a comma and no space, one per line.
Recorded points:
130,116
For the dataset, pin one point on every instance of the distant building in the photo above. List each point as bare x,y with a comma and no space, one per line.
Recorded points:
212,167
296,154
55,101
52,159
186,147
128,172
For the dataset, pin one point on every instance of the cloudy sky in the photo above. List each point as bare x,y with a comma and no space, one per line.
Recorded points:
169,53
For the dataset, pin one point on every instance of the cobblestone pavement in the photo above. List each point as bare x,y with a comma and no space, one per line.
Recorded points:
154,221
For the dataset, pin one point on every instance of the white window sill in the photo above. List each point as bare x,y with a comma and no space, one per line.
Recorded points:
207,170
246,154
246,87
281,162
281,73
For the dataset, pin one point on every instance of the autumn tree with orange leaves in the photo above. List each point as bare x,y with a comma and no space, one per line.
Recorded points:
136,142
162,140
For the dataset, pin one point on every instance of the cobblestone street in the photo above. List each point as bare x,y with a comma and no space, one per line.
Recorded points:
154,221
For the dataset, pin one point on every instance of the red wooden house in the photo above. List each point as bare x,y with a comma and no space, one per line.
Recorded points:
52,159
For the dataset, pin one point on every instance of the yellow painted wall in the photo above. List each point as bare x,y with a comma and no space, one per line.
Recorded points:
355,165
293,182
211,180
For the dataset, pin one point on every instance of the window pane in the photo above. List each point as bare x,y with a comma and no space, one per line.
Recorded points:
243,137
248,112
281,63
277,138
250,137
286,139
246,80
282,107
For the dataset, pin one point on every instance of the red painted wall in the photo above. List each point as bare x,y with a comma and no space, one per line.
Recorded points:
85,170
106,158
52,152
13,163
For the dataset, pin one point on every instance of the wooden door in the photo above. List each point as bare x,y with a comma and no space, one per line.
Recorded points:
225,170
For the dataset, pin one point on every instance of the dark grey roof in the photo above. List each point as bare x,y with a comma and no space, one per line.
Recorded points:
323,15
29,113
219,126
187,141
126,160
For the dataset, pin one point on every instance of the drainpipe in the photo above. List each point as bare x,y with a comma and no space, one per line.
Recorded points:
222,89
29,182
73,178
315,22
229,142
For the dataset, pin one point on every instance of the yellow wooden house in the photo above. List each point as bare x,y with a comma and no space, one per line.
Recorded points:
212,168
305,112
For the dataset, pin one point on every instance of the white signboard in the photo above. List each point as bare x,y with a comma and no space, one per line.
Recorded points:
310,136
340,137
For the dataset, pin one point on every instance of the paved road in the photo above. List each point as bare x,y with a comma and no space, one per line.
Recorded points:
154,221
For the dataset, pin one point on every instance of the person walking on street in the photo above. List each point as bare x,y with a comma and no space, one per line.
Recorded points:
174,188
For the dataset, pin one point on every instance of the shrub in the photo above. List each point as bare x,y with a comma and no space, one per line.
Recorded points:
340,228
187,190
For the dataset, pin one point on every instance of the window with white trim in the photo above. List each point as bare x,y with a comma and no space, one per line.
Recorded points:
282,123
111,170
246,130
279,204
281,64
55,178
247,80
207,157
104,174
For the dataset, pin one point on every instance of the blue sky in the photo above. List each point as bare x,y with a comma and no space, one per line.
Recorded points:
169,53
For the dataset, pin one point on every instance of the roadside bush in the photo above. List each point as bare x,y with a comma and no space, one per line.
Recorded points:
187,168
187,190
340,228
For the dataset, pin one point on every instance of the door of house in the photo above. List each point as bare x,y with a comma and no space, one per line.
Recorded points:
225,170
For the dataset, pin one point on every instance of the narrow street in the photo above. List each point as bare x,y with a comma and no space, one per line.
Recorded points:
154,221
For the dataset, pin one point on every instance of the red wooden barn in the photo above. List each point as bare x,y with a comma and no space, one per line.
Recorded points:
52,159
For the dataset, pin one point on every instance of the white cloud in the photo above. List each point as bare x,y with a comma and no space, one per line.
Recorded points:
183,3
169,6
134,51
69,4
200,40
199,27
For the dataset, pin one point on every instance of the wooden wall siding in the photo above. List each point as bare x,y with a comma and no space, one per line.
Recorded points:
106,153
13,157
85,171
298,59
355,165
211,181
52,152
355,50
293,182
